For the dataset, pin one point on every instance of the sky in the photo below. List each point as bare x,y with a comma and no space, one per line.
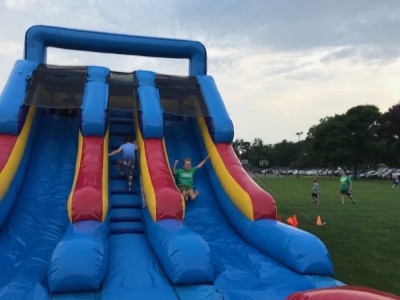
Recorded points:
279,65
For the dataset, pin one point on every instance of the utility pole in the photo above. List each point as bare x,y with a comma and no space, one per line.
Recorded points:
298,153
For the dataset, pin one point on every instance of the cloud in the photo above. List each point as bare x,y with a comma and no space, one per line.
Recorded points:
365,54
280,66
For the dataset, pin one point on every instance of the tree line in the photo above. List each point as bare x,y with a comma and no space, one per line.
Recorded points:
361,138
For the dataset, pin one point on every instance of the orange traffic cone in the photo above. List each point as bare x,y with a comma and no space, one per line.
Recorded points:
295,223
319,223
279,218
289,220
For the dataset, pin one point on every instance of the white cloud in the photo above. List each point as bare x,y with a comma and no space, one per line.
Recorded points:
280,66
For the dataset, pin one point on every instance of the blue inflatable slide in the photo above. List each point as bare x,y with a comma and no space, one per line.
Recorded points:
71,229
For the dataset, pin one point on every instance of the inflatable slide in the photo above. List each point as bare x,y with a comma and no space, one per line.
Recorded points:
71,229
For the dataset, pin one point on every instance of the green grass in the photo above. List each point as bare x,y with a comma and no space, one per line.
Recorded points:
363,239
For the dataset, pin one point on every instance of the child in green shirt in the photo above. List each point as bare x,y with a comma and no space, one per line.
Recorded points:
185,176
346,187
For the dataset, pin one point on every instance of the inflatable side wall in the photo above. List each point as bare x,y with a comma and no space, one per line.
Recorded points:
17,132
82,253
250,210
343,293
184,255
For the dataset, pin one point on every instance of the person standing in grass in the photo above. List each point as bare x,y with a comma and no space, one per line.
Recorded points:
346,186
315,191
395,182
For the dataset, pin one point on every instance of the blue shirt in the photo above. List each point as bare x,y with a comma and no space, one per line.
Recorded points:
128,151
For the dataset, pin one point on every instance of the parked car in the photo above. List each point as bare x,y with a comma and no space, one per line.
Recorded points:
377,173
365,174
396,174
387,174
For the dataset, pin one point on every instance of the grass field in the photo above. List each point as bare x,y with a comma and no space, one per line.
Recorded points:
363,239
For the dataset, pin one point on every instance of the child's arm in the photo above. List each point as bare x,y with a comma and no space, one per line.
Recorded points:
115,152
174,168
203,162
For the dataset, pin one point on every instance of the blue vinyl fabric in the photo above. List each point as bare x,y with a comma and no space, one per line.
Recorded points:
129,255
94,103
7,203
13,96
79,261
184,255
38,38
39,217
151,117
219,123
133,271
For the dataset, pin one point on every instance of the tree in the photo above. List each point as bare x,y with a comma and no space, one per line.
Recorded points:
346,140
360,122
388,134
285,153
258,151
241,148
329,141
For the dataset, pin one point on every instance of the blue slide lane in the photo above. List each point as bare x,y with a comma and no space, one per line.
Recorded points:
241,271
39,218
133,270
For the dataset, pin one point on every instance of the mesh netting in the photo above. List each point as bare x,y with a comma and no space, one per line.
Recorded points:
122,91
56,87
62,88
181,96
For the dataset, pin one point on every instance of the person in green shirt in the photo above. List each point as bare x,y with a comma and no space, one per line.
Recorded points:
185,177
346,186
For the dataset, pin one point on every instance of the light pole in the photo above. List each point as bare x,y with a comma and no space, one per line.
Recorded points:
298,153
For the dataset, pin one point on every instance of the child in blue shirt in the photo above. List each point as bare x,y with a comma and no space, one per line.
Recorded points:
128,150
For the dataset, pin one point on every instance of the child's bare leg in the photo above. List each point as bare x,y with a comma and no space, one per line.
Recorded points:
120,167
130,177
193,194
185,195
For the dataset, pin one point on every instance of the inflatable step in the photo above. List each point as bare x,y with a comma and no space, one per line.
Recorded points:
127,230
126,212
126,205
117,113
119,185
121,120
121,127
124,192
120,177
115,172
122,198
121,132
127,227
125,219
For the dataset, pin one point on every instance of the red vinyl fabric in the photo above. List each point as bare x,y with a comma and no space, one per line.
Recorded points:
87,198
169,201
7,142
263,204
